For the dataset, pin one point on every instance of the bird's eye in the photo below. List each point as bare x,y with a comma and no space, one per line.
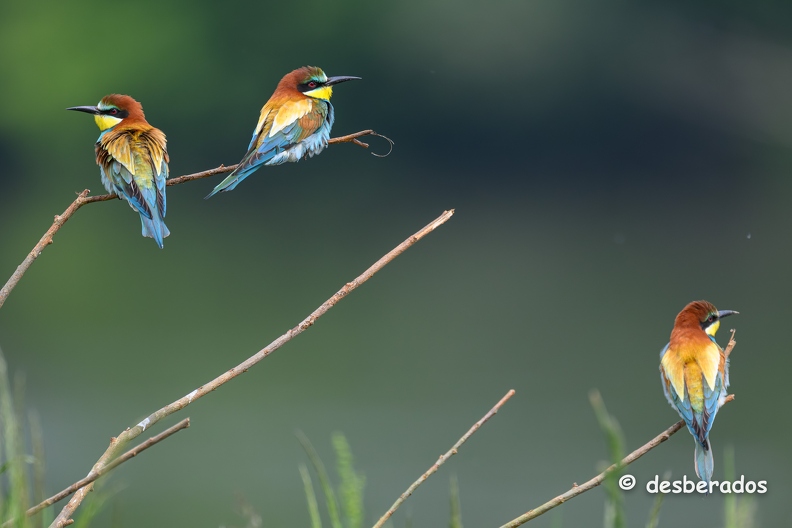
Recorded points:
114,111
312,84
711,319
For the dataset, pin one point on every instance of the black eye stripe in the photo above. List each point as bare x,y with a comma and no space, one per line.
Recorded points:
115,112
307,86
711,318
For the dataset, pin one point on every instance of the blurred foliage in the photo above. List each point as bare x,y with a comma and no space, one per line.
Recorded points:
654,513
21,484
614,505
350,486
609,162
739,511
19,471
22,476
456,509
351,483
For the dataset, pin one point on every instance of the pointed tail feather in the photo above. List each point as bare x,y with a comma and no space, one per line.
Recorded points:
154,228
231,181
705,464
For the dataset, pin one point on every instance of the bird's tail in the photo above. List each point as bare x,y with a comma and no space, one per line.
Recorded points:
705,465
232,180
154,228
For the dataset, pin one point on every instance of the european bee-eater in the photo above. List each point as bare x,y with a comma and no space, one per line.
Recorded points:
133,159
294,124
695,375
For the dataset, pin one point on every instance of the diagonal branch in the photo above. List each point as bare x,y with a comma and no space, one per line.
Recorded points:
93,475
629,459
440,461
83,199
116,444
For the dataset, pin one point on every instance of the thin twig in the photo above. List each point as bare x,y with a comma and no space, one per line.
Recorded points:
353,138
596,481
44,242
440,461
184,424
83,199
130,433
198,175
730,346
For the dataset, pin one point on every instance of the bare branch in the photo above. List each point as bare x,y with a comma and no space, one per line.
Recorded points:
117,443
93,475
730,346
83,199
199,175
44,242
72,505
353,138
440,461
596,481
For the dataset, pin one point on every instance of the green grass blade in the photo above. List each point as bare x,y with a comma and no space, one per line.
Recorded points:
614,507
15,494
654,514
39,470
739,511
330,498
729,499
351,483
456,510
310,495
91,507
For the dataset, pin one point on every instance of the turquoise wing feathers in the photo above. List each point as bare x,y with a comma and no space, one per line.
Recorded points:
681,404
304,135
699,421
133,159
136,178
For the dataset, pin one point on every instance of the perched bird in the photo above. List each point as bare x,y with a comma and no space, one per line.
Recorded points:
695,374
295,123
133,159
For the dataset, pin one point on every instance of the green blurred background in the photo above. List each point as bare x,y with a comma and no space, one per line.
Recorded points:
608,162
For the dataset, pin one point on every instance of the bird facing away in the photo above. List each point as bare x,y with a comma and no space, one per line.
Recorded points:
695,374
133,160
294,124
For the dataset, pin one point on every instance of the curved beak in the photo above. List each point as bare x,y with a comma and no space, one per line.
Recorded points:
724,313
86,109
341,78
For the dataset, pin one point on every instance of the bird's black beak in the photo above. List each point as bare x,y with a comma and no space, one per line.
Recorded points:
86,109
339,79
724,313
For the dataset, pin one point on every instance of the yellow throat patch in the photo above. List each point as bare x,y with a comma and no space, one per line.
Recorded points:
324,92
105,121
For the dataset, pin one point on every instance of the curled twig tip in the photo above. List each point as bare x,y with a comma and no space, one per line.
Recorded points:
389,140
83,198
